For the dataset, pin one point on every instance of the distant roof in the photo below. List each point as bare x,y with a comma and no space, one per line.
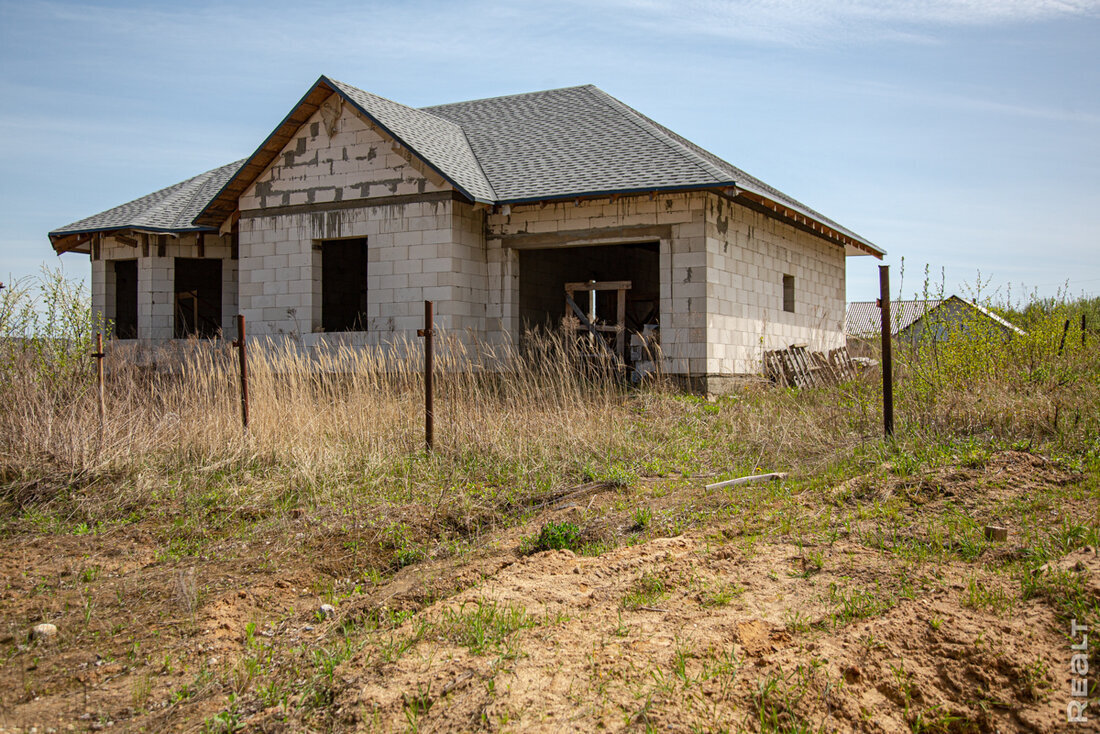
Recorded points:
864,318
561,143
171,209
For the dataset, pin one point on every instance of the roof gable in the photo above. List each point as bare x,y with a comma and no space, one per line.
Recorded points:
438,143
336,156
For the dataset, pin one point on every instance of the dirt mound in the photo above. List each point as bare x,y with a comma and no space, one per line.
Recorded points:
716,645
878,605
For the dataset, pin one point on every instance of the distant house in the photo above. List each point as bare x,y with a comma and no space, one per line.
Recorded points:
917,319
355,209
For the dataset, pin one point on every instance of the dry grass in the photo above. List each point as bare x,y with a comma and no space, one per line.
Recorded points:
527,422
530,421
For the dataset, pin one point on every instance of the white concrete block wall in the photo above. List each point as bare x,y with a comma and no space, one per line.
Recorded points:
103,288
416,251
156,280
747,255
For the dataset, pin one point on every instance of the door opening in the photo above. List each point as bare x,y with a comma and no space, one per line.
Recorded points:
126,299
198,298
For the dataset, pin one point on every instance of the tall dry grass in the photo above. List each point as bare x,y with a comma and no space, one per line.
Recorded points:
511,424
319,412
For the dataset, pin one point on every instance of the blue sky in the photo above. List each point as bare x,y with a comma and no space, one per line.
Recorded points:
961,134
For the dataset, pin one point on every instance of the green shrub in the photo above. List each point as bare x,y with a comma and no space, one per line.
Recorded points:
47,331
553,536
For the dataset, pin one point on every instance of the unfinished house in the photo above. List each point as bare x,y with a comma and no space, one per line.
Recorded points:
512,213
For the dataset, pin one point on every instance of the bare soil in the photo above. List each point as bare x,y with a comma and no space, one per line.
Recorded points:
731,624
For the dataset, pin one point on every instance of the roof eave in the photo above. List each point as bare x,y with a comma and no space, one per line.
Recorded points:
124,227
734,192
57,237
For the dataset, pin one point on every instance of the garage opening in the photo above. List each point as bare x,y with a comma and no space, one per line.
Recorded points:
126,300
545,274
198,297
344,285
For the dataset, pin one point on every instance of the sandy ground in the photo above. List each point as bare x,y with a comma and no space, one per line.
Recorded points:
714,629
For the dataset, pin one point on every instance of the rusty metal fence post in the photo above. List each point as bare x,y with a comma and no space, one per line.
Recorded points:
887,351
242,356
428,332
98,354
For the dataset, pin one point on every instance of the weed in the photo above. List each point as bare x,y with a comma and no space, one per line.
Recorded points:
553,536
417,705
981,596
858,603
140,689
797,620
225,722
778,699
812,562
647,591
1036,680
613,473
484,626
722,595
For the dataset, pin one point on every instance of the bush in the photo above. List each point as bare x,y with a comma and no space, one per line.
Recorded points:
553,536
47,331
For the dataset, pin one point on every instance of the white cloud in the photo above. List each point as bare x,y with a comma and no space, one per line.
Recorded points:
813,22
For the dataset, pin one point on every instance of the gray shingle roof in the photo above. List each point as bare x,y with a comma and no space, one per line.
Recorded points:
568,142
559,143
172,209
578,140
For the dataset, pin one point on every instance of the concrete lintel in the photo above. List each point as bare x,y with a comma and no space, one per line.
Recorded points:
583,237
327,206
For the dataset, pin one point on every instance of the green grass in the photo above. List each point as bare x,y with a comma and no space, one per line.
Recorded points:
647,591
983,596
483,627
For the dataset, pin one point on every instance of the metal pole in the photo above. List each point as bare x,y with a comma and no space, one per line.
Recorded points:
429,407
1062,343
242,356
98,354
887,351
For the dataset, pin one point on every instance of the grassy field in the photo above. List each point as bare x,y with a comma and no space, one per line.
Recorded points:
556,562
